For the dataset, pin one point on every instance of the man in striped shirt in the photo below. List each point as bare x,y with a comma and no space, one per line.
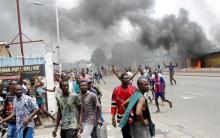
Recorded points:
90,110
159,90
119,96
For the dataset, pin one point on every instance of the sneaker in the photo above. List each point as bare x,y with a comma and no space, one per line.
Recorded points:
3,132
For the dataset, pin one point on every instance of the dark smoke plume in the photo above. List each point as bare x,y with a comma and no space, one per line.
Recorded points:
177,31
95,23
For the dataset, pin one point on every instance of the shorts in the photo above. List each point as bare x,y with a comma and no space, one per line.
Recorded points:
68,133
161,95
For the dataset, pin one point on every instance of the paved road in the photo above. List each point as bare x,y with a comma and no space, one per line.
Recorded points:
195,112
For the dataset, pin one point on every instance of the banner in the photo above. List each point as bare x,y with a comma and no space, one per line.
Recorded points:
7,73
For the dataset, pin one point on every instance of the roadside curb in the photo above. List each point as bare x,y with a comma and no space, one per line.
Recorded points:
197,75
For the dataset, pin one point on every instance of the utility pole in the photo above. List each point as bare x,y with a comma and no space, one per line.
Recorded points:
58,38
20,32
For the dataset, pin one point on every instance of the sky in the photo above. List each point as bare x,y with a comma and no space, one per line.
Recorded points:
88,24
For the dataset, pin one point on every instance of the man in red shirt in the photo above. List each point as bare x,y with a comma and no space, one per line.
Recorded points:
119,96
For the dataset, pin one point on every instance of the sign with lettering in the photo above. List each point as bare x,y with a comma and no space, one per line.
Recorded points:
28,71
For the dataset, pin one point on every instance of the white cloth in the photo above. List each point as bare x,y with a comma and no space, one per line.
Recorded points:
87,130
71,87
130,74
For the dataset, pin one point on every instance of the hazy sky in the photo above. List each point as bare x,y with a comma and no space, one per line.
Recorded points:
88,25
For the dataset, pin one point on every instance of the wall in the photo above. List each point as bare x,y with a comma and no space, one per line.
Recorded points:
213,60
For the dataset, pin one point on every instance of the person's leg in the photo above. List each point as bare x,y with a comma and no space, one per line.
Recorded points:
171,82
173,78
156,102
153,95
87,130
103,80
164,99
126,131
28,132
11,132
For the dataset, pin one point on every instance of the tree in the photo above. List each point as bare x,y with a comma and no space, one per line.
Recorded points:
98,57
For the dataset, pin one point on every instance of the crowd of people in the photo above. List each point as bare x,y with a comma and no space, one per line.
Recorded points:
23,104
78,98
129,105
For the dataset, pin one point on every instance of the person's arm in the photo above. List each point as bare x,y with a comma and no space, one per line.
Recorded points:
28,119
125,103
21,74
41,83
153,82
165,65
80,118
135,72
117,75
2,107
7,118
114,108
99,113
139,108
49,90
34,110
98,107
79,107
58,118
164,83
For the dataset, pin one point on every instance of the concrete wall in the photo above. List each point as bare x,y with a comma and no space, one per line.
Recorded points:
51,102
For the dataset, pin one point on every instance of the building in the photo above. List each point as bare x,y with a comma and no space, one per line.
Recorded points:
4,52
212,60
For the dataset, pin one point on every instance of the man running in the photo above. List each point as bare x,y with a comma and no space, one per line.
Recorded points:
159,90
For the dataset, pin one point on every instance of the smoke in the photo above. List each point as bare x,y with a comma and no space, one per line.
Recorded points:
178,31
125,25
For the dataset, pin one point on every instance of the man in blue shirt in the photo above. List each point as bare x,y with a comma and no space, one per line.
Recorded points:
24,110
171,72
